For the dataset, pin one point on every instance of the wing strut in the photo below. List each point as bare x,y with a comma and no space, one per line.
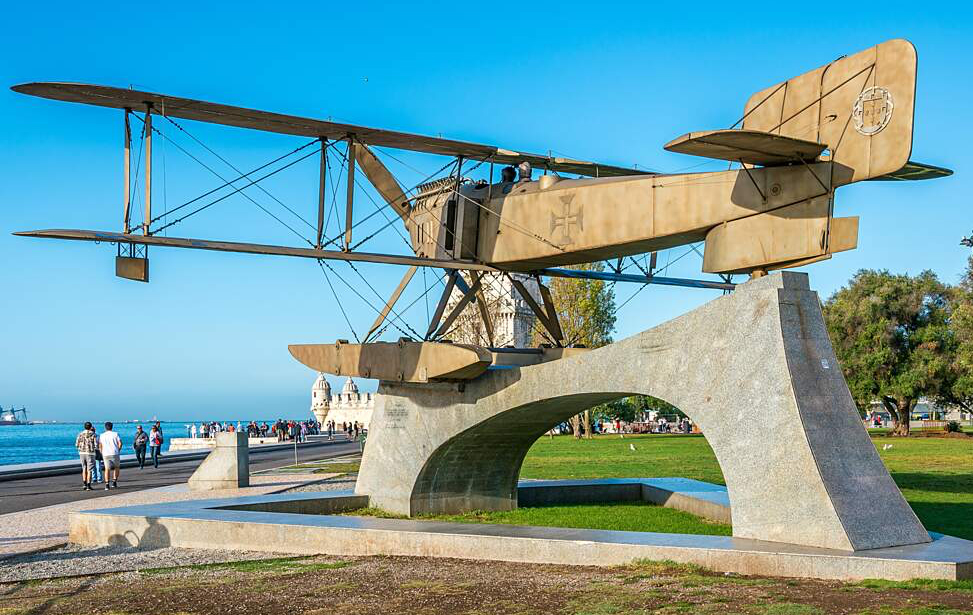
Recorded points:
391,302
484,312
553,328
351,191
321,192
127,171
468,297
443,299
148,169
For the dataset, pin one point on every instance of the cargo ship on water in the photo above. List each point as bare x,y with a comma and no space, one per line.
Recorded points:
9,417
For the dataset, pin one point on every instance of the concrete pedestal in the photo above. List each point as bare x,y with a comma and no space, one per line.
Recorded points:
754,369
227,467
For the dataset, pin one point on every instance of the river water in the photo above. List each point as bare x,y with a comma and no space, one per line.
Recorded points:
55,442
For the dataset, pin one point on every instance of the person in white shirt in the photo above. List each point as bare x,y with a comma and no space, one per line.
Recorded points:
192,431
110,446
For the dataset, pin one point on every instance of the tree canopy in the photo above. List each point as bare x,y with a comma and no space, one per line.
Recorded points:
586,308
892,336
586,311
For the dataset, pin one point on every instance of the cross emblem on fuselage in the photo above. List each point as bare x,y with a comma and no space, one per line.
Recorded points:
566,219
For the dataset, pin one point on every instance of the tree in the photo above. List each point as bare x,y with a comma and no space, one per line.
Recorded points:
892,337
618,410
585,308
586,311
960,389
645,403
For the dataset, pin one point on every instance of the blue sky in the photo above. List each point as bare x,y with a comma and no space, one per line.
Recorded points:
610,82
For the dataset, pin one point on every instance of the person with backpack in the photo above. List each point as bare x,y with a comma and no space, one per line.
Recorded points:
139,443
87,444
98,472
155,443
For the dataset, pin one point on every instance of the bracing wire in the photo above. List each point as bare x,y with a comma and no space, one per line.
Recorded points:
240,190
336,299
235,191
229,164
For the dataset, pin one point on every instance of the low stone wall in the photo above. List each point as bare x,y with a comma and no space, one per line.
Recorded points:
189,444
306,523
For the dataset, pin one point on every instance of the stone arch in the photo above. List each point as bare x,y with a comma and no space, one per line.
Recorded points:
754,369
478,468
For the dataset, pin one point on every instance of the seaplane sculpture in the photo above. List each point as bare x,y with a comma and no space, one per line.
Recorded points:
795,144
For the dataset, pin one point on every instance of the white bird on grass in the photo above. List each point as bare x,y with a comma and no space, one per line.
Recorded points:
631,446
886,447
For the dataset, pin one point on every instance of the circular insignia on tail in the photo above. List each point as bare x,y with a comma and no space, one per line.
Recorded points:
872,110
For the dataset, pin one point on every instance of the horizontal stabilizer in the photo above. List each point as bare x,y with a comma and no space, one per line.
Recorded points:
750,146
228,115
915,170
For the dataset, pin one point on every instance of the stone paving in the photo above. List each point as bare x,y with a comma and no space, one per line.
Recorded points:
44,528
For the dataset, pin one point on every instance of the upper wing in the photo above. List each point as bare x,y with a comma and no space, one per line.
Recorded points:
215,113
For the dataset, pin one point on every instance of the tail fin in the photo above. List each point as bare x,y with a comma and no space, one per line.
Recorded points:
861,106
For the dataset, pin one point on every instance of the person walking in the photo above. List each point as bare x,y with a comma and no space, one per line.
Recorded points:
155,443
110,446
99,470
86,445
330,430
192,431
139,443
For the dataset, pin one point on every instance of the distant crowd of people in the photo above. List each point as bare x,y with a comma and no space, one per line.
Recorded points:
657,424
283,430
101,453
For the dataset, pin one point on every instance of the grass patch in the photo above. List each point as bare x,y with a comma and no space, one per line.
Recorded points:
372,512
622,516
338,468
921,584
789,608
934,474
279,564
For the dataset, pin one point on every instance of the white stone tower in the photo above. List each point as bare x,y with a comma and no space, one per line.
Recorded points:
321,398
511,316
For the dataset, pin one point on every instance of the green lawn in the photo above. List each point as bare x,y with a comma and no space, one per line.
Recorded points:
625,516
935,474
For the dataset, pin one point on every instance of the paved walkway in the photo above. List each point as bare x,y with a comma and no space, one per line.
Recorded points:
47,527
30,493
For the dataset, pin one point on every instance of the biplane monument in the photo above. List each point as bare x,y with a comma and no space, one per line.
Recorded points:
753,368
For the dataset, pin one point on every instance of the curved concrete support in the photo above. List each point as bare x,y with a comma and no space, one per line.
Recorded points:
754,369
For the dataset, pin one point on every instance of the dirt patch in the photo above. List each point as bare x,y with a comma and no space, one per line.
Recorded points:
385,585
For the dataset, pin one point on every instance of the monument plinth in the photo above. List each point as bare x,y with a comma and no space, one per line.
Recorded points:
754,369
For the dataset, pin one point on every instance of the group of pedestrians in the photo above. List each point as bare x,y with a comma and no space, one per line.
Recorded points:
293,431
282,430
351,430
101,453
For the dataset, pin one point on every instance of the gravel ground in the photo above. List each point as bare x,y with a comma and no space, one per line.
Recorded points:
323,585
342,483
75,560
48,526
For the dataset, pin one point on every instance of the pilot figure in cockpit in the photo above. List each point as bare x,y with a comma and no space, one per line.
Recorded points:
508,175
525,171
